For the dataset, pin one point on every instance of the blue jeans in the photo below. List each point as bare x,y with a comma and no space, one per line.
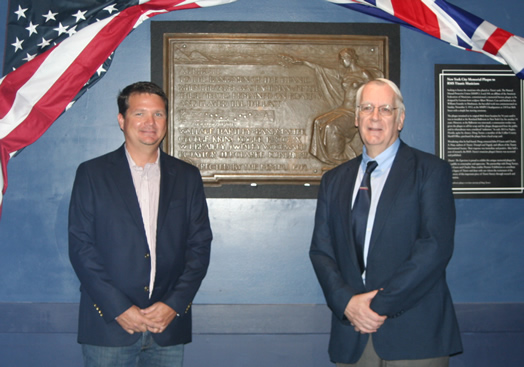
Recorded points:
144,353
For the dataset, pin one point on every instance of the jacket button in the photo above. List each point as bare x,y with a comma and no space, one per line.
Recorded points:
147,256
146,289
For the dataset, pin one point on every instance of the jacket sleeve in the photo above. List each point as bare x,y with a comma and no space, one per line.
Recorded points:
323,254
83,253
432,248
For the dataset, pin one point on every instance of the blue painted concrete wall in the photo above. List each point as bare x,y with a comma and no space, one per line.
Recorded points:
247,252
260,249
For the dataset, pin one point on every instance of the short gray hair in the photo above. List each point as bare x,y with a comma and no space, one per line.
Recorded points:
399,100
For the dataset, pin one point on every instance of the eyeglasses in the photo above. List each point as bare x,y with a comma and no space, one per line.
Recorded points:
384,110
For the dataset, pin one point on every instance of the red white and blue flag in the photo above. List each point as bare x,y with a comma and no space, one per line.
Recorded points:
56,49
449,23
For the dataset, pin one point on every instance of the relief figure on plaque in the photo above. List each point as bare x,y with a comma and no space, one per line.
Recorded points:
335,138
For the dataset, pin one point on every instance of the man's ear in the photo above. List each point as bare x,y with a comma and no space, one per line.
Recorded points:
401,122
120,119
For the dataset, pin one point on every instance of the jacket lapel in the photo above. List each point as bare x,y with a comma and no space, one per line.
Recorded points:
348,181
167,188
402,167
124,184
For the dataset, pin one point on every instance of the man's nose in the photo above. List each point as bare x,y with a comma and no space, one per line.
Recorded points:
375,115
150,118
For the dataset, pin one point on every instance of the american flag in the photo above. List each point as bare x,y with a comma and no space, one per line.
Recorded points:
449,23
56,49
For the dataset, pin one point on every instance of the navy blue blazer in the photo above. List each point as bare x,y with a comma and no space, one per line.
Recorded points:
109,252
411,244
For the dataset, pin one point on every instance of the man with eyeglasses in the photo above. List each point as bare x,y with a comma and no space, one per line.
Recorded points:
383,236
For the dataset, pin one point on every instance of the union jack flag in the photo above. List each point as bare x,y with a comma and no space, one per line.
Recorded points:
56,49
450,24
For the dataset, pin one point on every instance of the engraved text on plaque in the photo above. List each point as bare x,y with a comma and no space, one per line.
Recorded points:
267,108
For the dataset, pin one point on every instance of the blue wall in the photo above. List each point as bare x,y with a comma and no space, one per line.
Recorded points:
260,249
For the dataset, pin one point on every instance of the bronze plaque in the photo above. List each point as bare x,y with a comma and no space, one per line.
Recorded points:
267,108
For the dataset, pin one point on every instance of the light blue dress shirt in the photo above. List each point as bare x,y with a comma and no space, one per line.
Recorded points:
378,179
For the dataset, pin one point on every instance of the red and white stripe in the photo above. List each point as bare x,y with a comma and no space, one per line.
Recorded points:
429,17
33,96
503,45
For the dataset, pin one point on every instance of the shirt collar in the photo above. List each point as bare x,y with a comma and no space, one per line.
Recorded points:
133,165
384,159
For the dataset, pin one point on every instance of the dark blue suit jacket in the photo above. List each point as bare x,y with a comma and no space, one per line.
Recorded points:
109,252
410,247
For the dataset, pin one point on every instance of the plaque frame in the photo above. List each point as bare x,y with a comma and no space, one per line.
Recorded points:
458,142
269,188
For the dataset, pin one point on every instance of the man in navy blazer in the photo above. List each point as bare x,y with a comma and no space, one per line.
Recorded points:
398,310
139,242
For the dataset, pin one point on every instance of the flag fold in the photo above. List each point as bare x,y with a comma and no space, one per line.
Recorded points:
450,24
56,50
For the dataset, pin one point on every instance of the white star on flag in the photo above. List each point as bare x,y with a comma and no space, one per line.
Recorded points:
56,66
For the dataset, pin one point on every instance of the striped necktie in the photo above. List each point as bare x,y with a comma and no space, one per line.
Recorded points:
360,213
